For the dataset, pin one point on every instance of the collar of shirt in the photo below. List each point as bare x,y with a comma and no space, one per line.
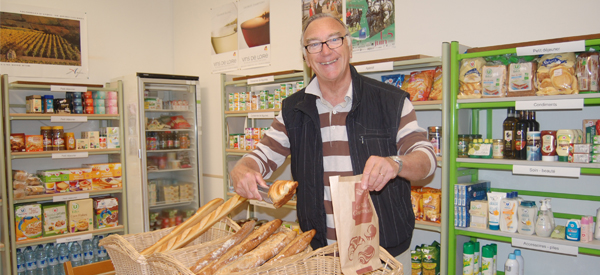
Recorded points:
313,88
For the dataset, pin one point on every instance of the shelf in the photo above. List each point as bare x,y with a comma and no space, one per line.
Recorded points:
169,170
166,111
498,235
18,116
507,164
44,240
505,102
170,204
427,105
46,197
278,77
168,150
430,226
24,85
47,154
245,113
171,130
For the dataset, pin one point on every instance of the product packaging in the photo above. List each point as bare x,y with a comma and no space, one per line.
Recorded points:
81,215
17,142
470,77
28,221
112,138
521,79
573,230
34,143
494,199
106,183
494,81
479,214
106,212
55,219
556,74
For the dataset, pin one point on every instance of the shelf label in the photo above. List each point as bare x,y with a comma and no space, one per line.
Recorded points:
70,155
71,197
564,47
568,172
377,67
263,79
75,238
547,247
262,115
563,104
57,88
68,119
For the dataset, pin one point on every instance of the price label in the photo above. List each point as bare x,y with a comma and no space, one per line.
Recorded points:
564,47
547,171
70,155
68,119
563,104
547,247
70,197
75,238
262,115
377,67
57,88
263,79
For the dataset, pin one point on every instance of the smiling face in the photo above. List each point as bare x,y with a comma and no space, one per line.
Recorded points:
329,65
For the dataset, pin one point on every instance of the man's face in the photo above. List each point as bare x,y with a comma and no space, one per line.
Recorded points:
329,65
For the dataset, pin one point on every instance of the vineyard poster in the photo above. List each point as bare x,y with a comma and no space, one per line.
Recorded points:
41,42
371,24
254,42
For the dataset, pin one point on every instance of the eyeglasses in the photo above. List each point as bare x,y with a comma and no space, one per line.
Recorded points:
332,43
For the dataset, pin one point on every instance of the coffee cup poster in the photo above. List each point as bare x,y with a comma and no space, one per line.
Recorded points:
371,24
241,35
42,42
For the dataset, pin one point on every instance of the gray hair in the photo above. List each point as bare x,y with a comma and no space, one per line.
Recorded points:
315,18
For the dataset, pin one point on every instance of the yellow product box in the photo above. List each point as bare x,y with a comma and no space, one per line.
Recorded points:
82,144
28,221
186,191
116,169
80,173
93,138
100,170
106,183
55,219
81,215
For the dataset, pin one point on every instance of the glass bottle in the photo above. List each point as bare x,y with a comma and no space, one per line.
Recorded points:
162,141
508,129
520,137
170,140
536,125
176,140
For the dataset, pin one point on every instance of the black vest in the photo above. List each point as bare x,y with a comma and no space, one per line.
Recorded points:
372,125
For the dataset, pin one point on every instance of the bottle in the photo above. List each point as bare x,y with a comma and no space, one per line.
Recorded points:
170,140
548,143
53,266
468,255
41,261
495,248
573,230
597,229
543,225
511,266
508,213
535,123
564,137
30,263
476,259
88,252
21,266
527,217
521,136
585,228
177,140
63,256
102,253
76,258
521,261
508,129
487,260
549,207
95,241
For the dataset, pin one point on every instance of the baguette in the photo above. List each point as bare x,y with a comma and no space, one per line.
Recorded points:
197,217
228,244
252,241
282,191
294,247
258,256
189,234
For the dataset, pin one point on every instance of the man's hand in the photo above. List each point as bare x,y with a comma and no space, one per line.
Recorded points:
378,171
245,178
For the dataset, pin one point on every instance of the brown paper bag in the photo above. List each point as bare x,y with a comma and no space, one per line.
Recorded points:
356,225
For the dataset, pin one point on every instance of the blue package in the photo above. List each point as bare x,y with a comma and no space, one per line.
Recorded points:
393,79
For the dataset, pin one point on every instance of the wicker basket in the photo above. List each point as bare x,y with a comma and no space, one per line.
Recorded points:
124,250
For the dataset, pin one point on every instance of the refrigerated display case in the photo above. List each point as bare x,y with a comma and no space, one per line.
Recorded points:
162,135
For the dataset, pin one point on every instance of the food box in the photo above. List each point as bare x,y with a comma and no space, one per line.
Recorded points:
84,185
112,137
28,221
34,143
80,173
17,142
106,183
81,215
82,143
186,191
61,186
53,175
102,170
55,219
93,138
106,212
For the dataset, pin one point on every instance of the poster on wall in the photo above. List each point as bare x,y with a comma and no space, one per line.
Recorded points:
224,38
255,39
312,7
43,42
371,24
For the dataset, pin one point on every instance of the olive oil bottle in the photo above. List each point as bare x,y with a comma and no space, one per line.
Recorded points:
508,130
521,136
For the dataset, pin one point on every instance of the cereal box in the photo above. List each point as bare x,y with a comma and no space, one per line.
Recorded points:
55,219
106,212
81,215
34,143
28,221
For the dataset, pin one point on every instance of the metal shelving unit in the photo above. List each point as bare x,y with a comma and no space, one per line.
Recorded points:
11,120
471,167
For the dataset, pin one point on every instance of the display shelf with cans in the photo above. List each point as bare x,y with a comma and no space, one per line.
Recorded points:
62,153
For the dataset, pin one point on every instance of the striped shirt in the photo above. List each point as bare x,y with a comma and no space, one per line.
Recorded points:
273,149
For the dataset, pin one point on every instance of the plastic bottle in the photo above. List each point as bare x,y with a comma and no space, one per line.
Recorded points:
21,266
76,257
563,138
549,207
543,225
53,266
476,259
41,261
527,214
585,228
487,260
95,247
597,228
30,264
63,255
521,261
508,213
511,266
495,248
102,253
573,230
88,252
468,255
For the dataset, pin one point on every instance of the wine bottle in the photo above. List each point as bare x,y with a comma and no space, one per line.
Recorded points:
521,136
508,129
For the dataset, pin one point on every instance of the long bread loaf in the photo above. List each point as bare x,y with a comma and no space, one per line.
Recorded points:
258,256
255,238
197,217
294,247
206,223
234,240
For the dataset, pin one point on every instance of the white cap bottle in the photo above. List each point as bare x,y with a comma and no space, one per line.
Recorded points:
521,261
511,267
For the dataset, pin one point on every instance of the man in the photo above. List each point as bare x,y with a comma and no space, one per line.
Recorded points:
343,124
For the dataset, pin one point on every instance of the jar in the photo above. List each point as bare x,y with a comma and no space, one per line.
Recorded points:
463,146
46,132
498,148
434,134
548,140
58,140
70,141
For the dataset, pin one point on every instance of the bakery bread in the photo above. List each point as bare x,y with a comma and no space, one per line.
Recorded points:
282,191
296,246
